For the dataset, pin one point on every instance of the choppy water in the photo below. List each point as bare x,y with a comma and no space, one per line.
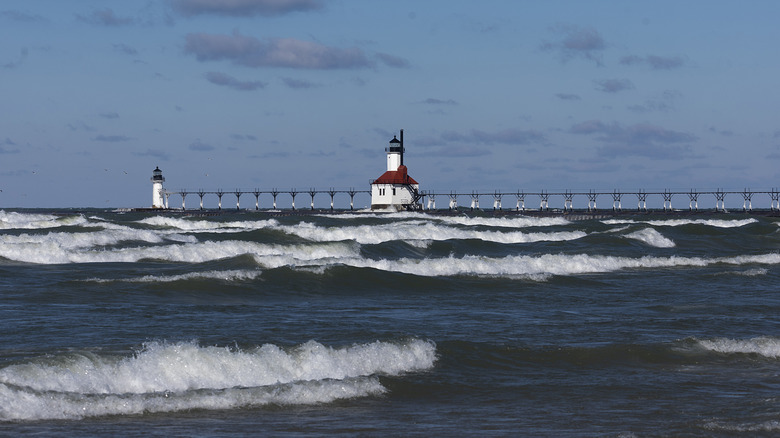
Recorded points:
128,323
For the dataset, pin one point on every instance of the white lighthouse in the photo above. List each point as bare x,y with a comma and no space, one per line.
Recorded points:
158,194
395,189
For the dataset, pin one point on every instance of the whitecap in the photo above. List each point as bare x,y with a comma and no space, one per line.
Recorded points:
227,275
764,346
34,221
165,377
372,234
652,237
718,223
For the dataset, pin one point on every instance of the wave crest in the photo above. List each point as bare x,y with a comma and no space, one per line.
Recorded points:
164,377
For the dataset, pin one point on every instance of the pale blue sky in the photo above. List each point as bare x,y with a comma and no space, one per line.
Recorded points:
492,95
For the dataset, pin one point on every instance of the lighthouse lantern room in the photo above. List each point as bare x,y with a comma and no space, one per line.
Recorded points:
158,194
395,189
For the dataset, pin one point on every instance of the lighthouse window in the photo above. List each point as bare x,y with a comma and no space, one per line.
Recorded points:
393,191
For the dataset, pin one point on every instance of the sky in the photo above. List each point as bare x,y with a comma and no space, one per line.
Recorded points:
492,96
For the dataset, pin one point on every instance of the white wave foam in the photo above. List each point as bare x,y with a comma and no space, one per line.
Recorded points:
229,275
54,252
763,346
32,221
25,405
504,222
372,234
531,267
652,238
409,230
166,377
764,426
719,223
205,226
747,273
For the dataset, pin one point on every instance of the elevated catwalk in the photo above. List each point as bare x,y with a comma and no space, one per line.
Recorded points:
517,200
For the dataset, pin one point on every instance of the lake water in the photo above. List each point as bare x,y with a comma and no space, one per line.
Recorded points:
139,324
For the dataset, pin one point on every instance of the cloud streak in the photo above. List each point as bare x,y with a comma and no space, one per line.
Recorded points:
226,80
654,62
112,138
299,84
393,61
643,139
575,42
105,17
243,8
613,85
8,142
506,136
273,52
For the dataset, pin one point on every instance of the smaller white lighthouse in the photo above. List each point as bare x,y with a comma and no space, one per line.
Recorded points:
158,195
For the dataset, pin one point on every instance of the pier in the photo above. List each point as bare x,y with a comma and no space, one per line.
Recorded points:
519,201
257,193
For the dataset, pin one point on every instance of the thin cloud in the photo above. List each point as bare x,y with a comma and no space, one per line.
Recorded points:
226,80
112,138
199,146
125,49
154,153
507,136
23,52
567,96
442,102
393,61
576,42
641,139
243,137
21,17
655,62
613,85
8,142
299,84
664,102
111,115
105,17
80,126
274,52
651,106
243,8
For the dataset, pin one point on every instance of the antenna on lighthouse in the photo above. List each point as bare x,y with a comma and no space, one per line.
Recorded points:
402,147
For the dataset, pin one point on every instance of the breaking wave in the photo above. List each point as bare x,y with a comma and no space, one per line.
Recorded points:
763,346
369,234
168,377
718,223
229,275
33,221
652,237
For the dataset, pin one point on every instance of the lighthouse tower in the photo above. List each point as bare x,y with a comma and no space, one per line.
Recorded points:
395,189
158,195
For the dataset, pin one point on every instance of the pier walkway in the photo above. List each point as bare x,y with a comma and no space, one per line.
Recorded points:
518,198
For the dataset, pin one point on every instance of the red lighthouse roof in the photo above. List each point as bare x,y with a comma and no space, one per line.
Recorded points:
395,177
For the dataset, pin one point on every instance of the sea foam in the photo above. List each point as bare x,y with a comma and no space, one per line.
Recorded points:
164,377
718,223
204,226
372,234
227,275
53,251
763,346
33,221
652,237
532,267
